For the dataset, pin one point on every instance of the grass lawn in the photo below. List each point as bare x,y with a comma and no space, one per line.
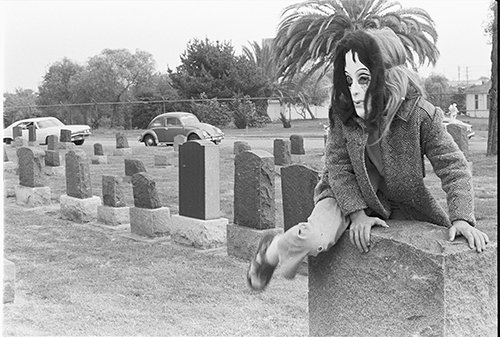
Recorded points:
88,279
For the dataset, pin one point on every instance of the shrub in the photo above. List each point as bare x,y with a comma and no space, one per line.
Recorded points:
211,111
245,114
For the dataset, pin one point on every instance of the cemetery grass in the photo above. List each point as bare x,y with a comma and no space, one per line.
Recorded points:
88,279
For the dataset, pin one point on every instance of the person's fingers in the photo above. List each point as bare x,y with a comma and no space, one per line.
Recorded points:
486,238
366,238
381,223
452,232
357,239
480,244
470,239
351,235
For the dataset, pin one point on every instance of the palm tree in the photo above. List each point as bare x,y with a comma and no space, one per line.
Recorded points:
310,30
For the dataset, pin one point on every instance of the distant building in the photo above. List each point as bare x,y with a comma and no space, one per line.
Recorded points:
477,103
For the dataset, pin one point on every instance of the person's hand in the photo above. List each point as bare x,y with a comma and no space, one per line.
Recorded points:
474,236
359,231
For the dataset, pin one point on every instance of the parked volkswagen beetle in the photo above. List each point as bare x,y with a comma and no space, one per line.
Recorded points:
163,128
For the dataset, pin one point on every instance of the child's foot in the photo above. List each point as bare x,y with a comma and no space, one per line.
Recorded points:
260,270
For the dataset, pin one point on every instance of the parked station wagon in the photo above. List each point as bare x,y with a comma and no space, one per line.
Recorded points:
163,128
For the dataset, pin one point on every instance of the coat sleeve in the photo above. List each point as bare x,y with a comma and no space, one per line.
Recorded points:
450,165
338,179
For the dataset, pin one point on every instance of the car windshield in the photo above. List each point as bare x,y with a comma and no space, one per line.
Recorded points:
47,123
189,120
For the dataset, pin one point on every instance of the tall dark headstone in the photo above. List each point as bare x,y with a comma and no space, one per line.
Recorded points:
31,133
78,183
297,186
121,140
281,151
98,150
5,156
199,184
111,192
460,137
133,166
65,136
145,193
254,204
52,158
31,162
297,144
52,142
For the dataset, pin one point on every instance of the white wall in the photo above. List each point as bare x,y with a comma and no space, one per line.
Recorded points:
273,110
470,105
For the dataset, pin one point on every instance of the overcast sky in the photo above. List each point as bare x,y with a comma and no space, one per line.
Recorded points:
35,34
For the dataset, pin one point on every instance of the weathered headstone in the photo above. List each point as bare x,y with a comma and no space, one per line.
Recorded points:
254,203
114,211
32,135
52,142
145,193
199,222
78,183
31,190
178,140
78,204
31,162
65,136
297,188
98,149
412,282
133,166
52,158
148,217
122,148
297,144
460,137
281,151
5,156
17,131
99,157
240,146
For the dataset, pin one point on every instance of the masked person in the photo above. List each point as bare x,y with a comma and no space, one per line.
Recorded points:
381,127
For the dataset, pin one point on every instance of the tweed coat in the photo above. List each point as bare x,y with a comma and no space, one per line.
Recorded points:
416,131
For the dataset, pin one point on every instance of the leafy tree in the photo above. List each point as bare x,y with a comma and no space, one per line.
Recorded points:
212,111
438,90
492,145
310,30
56,88
19,105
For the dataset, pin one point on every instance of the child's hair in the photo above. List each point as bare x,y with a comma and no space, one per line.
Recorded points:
385,56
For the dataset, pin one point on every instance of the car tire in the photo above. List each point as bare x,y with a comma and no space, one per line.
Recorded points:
149,140
78,142
194,136
7,141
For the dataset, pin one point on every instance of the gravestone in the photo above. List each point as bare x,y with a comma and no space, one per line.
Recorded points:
132,166
31,190
98,149
52,142
5,156
281,151
52,158
78,183
114,211
412,282
65,140
99,157
53,164
178,140
78,204
460,137
297,188
297,144
199,182
17,131
254,203
240,146
148,217
31,162
32,135
122,148
199,223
